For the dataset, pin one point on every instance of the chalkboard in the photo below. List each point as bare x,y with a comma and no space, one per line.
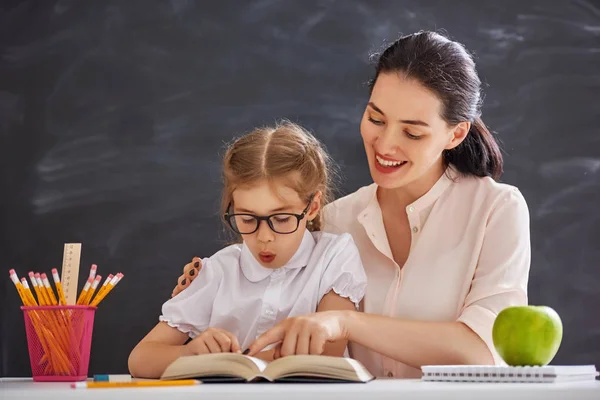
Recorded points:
113,116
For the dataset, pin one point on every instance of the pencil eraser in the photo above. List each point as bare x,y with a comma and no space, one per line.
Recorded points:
112,378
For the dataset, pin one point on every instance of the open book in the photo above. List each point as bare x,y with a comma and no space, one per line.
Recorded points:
232,367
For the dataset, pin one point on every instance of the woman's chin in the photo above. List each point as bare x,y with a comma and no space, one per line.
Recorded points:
389,179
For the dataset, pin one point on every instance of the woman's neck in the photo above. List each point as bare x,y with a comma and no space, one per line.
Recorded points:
409,193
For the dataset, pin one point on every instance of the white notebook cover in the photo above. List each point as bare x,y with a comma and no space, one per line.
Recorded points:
493,373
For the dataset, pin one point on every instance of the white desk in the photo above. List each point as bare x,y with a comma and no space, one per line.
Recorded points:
402,389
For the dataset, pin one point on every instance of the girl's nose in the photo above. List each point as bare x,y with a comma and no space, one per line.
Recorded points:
264,233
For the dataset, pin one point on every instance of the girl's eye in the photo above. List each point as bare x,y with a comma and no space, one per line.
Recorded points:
282,220
374,121
411,136
248,221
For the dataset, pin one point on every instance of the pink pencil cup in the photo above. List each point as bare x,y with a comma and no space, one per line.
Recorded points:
59,339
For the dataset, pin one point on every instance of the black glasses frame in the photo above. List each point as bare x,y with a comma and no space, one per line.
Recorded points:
229,217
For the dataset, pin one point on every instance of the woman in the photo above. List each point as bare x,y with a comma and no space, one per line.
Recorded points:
445,246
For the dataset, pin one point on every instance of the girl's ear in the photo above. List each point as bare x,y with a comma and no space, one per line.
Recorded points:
315,206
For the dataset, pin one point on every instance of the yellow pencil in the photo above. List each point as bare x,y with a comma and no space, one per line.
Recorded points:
49,290
45,295
93,269
28,293
59,289
36,289
91,290
103,287
84,291
133,384
109,287
19,286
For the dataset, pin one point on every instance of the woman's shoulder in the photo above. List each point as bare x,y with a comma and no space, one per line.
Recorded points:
489,191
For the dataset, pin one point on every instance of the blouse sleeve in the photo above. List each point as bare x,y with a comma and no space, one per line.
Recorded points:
344,273
191,309
502,272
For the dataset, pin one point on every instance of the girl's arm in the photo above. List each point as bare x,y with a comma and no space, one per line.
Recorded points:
159,348
333,301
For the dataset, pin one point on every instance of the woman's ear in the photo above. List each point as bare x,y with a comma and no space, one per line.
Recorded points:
458,134
315,206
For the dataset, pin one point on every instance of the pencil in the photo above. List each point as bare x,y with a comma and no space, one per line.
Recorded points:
59,289
133,384
28,293
103,287
49,290
36,289
84,291
43,291
19,286
109,287
91,290
93,269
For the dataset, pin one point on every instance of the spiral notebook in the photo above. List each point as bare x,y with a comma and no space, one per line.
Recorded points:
492,373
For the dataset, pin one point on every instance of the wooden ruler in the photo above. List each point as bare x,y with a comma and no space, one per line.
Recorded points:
70,271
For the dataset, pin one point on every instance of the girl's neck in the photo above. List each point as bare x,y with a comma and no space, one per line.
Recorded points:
408,194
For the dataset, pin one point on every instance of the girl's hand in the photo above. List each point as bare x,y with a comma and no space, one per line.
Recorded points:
214,340
190,272
306,334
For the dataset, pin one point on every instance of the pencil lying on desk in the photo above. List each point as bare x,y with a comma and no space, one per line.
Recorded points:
133,384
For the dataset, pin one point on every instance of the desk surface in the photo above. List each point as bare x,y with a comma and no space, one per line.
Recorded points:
397,389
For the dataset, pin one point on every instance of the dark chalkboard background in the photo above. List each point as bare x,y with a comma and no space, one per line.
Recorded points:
113,115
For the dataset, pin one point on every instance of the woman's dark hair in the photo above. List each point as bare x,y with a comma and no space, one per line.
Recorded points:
446,68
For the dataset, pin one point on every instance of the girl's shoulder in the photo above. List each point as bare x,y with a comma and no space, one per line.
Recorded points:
332,243
224,260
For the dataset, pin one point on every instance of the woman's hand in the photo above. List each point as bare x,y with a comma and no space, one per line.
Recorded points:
214,340
306,334
190,272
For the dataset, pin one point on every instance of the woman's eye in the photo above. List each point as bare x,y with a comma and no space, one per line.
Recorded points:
411,136
282,220
248,220
375,121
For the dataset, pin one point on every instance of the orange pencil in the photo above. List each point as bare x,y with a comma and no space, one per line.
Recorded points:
134,384
109,287
84,291
59,289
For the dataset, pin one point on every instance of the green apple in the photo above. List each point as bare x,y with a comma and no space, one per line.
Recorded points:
527,335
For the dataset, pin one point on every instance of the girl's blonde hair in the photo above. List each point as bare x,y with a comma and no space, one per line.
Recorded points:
286,151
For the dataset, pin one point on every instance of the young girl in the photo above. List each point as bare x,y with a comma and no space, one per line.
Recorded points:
276,182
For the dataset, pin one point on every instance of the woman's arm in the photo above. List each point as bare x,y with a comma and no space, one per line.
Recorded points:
159,348
417,343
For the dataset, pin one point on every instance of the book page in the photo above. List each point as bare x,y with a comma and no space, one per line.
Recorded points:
221,364
317,366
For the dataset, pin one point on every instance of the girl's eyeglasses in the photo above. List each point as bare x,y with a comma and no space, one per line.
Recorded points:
283,223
